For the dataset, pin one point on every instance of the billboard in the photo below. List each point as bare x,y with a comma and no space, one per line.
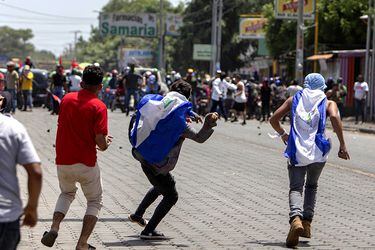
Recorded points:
172,25
252,28
288,9
202,52
140,57
130,25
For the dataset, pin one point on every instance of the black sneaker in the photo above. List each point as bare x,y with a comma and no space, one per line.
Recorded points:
152,236
137,219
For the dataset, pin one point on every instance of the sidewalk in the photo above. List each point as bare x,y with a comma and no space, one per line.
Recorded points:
349,124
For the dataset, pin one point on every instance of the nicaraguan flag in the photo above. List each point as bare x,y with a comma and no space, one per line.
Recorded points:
159,124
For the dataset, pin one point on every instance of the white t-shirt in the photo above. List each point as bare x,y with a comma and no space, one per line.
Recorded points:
15,148
75,80
360,89
216,89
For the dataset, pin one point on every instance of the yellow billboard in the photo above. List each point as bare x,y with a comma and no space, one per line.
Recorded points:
252,28
288,9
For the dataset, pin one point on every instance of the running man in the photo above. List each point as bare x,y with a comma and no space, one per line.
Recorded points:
307,150
158,149
82,128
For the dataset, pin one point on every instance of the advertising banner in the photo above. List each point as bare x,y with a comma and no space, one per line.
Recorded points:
252,28
173,23
288,9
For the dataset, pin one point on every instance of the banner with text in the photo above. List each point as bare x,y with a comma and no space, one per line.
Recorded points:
252,28
131,25
202,52
288,9
173,23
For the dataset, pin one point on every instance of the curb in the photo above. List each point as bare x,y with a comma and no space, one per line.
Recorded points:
367,130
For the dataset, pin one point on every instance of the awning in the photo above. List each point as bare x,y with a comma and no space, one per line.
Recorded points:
320,57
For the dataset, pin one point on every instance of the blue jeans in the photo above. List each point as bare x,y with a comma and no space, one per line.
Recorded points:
27,99
10,235
299,207
14,99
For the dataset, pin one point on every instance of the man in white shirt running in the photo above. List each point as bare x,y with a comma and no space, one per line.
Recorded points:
16,148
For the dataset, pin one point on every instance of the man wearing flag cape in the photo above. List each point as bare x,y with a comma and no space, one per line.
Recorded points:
157,133
307,149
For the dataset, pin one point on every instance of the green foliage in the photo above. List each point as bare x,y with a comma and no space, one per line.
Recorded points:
104,50
197,29
340,27
15,42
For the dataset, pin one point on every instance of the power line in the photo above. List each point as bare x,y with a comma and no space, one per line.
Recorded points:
41,13
35,18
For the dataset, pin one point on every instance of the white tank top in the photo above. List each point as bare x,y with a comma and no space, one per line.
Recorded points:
240,98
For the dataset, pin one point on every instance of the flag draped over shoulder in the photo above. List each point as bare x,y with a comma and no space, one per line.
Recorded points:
159,124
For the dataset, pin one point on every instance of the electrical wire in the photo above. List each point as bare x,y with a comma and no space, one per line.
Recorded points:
41,13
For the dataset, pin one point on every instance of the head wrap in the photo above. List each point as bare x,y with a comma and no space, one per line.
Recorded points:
315,81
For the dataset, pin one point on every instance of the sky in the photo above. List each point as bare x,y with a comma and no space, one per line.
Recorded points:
53,22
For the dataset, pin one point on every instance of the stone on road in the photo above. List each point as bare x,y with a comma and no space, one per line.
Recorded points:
233,193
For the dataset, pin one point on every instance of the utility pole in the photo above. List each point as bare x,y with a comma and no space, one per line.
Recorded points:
75,41
161,38
214,37
316,38
218,56
299,47
371,91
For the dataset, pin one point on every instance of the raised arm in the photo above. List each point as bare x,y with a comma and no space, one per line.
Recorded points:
205,132
333,113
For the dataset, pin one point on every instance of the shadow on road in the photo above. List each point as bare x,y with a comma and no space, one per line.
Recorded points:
80,220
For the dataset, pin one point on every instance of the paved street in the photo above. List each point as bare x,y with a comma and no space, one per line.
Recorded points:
233,193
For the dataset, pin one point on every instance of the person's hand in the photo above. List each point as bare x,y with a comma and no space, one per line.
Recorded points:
343,153
198,119
285,138
30,216
109,139
211,119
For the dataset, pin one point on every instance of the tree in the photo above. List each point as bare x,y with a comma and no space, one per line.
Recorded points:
15,43
197,29
340,27
104,50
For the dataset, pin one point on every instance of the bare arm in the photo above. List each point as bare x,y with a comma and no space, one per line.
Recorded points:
205,132
34,186
276,117
334,115
103,141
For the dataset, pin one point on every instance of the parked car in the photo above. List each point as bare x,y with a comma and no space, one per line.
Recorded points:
40,86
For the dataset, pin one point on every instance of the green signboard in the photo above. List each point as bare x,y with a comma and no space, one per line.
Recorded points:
202,52
131,25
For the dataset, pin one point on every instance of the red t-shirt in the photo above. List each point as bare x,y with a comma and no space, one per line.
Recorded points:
82,116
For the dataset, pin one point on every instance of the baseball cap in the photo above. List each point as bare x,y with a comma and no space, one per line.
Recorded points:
27,67
10,63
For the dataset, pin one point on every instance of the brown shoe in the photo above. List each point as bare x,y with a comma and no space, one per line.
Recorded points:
306,229
295,231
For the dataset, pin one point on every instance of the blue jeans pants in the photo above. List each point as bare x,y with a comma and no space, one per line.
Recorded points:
27,99
14,99
10,235
300,177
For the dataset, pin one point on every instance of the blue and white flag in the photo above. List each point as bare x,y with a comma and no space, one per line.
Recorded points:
307,141
159,124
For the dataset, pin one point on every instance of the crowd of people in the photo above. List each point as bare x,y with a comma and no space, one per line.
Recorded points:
232,95
156,133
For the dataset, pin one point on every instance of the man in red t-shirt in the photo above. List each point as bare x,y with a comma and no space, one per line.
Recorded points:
82,129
